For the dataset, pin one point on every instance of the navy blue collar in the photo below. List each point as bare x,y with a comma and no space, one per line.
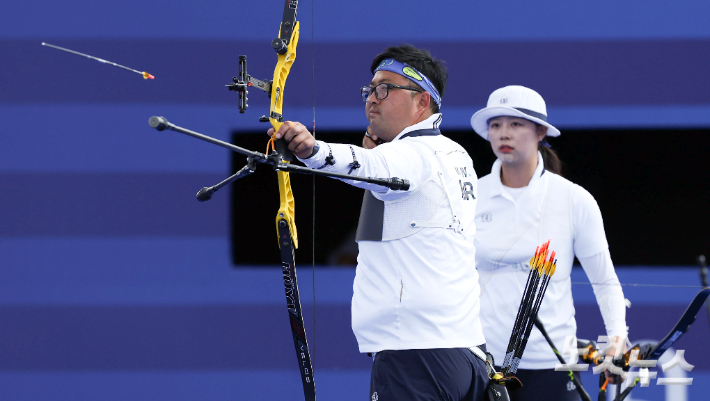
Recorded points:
422,132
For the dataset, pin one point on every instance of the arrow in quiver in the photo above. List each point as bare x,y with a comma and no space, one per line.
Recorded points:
542,267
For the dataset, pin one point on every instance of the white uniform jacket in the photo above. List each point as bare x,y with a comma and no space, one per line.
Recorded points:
416,286
509,230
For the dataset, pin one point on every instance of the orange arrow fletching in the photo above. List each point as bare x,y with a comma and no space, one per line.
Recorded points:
532,260
147,76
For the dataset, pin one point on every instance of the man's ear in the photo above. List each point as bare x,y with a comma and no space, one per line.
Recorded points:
425,101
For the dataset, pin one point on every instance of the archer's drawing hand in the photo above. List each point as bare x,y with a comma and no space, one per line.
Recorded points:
299,139
370,140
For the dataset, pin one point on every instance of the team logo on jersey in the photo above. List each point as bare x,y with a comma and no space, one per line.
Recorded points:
571,386
374,396
486,217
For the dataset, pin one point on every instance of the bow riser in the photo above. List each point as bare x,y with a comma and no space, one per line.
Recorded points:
287,210
283,68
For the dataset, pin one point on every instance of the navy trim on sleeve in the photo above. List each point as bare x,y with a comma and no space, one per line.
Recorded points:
422,132
316,148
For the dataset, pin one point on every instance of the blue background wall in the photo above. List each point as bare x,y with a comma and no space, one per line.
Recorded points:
116,284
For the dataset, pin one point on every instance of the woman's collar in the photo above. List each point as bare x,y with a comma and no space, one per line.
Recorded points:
536,177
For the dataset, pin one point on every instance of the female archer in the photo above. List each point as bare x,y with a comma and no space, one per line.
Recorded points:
522,203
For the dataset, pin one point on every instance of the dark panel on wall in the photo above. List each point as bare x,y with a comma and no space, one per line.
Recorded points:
255,201
652,189
651,186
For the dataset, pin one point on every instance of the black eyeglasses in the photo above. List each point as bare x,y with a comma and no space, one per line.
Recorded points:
382,90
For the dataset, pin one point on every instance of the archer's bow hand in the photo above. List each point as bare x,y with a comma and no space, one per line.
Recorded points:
300,141
616,350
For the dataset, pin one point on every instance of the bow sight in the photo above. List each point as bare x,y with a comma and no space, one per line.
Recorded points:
244,81
280,45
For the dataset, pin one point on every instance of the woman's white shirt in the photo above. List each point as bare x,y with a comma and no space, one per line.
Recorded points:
510,226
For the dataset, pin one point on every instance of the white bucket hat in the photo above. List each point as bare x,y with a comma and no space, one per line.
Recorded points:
513,101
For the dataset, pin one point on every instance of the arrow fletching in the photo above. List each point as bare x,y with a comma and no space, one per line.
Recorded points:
542,268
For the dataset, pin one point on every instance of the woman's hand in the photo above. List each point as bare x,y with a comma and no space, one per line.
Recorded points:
615,344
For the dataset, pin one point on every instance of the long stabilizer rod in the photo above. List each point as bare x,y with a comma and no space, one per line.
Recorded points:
394,183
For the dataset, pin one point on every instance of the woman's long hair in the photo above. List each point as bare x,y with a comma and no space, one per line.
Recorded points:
550,159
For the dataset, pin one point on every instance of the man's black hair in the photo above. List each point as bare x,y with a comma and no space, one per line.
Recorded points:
422,61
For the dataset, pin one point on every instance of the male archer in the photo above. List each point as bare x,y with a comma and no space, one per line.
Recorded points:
416,294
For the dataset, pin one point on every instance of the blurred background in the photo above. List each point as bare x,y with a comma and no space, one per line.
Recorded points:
115,283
